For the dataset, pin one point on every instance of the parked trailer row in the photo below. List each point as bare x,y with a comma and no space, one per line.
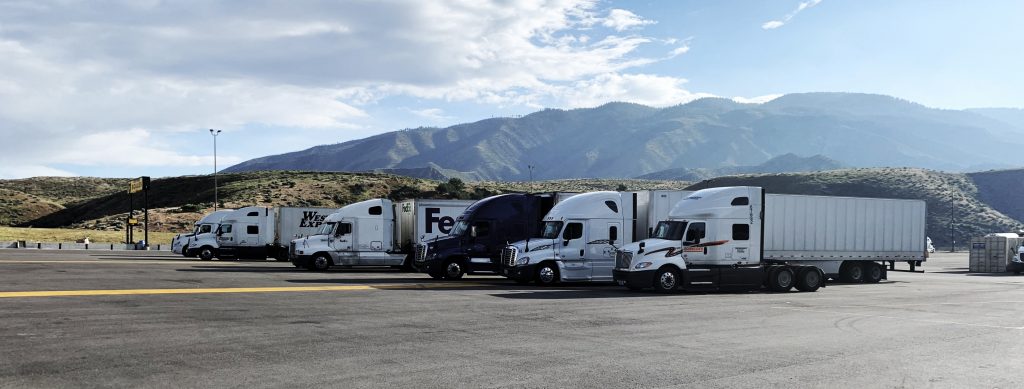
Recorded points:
719,238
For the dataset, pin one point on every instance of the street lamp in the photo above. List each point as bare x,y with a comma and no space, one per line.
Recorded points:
530,167
216,201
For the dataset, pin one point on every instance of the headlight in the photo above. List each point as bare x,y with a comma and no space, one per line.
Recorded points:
431,256
523,261
642,265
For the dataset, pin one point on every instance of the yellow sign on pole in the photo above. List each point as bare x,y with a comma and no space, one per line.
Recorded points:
135,186
133,222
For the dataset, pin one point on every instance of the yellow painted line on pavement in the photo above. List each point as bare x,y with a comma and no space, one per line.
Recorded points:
122,292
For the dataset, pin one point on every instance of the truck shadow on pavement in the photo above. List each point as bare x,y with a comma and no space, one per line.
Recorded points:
240,269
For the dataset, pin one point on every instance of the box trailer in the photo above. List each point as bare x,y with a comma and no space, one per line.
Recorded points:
262,232
739,237
375,232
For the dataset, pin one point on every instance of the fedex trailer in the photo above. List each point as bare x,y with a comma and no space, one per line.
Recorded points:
376,232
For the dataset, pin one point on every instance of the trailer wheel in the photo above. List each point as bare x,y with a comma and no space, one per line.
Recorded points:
321,262
666,280
851,272
780,279
808,279
872,273
206,253
453,269
547,274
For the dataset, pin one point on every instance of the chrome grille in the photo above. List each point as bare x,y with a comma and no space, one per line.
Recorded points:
420,253
509,255
623,259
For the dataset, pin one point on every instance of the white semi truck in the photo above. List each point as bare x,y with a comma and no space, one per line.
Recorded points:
580,235
375,232
204,229
259,232
740,238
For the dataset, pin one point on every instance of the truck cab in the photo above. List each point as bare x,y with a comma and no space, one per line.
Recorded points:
245,233
204,230
357,234
482,231
577,241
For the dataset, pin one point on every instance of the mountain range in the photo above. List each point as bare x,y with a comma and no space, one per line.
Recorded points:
622,140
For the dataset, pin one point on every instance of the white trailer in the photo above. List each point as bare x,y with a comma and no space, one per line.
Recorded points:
738,237
262,232
581,233
375,232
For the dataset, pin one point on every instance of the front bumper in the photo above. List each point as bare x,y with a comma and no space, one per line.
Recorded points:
523,273
300,260
634,279
1015,267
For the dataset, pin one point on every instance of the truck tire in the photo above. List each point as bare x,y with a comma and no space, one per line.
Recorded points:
453,269
666,280
320,262
851,272
872,273
207,253
808,279
547,274
780,279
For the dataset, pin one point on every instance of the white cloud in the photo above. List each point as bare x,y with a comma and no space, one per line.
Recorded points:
73,76
621,20
756,100
653,90
432,114
773,24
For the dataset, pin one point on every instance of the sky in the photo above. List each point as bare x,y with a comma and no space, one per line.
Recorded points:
131,88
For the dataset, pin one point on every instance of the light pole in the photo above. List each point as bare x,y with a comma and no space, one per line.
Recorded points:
216,201
530,167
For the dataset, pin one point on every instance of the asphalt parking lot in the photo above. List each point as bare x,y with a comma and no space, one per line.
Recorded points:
85,319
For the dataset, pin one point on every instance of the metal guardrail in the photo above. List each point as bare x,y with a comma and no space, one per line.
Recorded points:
81,246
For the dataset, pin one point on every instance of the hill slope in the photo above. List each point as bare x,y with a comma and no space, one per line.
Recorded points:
787,163
627,140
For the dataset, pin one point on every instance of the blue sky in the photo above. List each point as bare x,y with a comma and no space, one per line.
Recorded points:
121,89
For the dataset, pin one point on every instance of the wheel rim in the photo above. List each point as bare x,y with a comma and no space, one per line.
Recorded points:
667,280
546,275
454,270
320,262
856,273
812,278
785,278
876,273
206,254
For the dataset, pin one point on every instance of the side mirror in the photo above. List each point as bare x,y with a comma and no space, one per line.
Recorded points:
613,234
472,231
565,242
642,245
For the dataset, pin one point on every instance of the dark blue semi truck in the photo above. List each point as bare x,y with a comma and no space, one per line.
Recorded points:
482,231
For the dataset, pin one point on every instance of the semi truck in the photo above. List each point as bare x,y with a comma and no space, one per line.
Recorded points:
580,235
259,232
204,229
375,232
482,231
741,238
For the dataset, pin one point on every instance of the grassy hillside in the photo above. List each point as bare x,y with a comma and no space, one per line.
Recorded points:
177,202
1002,189
72,235
939,190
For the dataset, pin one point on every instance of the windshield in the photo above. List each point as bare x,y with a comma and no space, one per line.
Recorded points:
460,228
326,229
551,230
669,230
203,229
